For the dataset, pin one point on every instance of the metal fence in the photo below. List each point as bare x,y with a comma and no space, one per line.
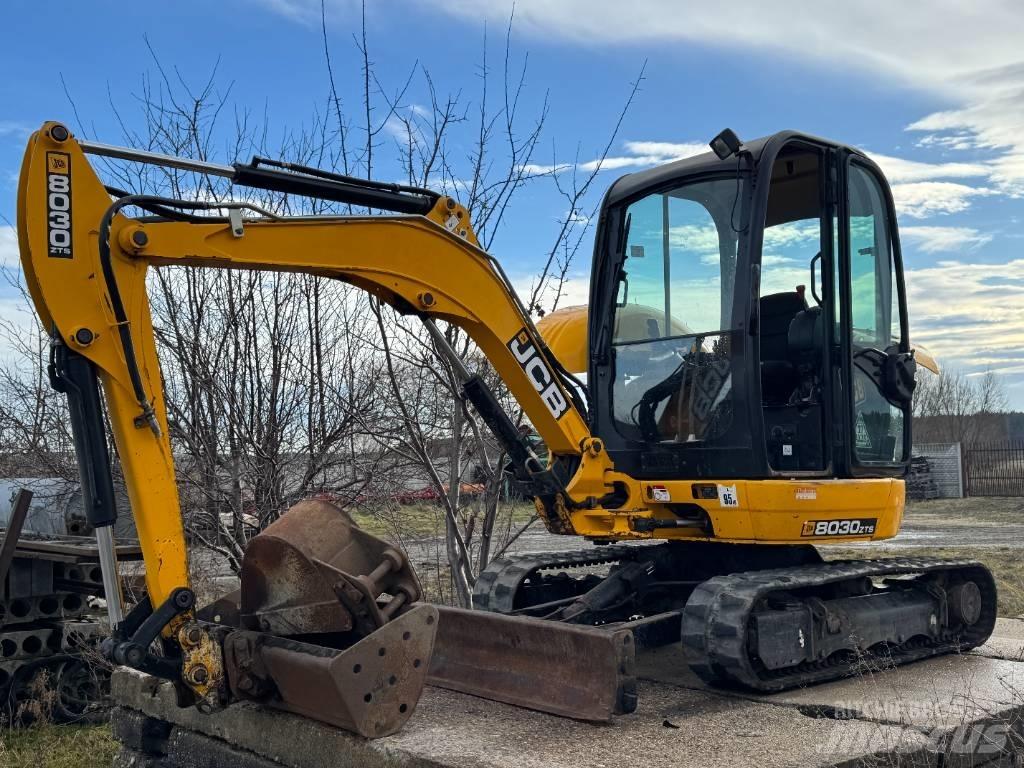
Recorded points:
937,472
994,469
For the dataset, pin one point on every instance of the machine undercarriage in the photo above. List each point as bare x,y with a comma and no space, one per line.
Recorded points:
754,617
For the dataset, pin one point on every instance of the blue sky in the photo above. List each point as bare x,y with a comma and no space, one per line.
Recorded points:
934,94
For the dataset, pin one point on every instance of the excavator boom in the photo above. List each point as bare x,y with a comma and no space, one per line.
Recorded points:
86,265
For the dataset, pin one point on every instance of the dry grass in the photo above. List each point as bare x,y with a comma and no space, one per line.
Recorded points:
57,746
978,510
425,519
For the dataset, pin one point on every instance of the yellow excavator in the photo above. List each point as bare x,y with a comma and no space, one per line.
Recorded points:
736,394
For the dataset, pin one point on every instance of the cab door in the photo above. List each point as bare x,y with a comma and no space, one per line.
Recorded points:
875,363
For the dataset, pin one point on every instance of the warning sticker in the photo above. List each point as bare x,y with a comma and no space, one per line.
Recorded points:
806,494
660,493
727,496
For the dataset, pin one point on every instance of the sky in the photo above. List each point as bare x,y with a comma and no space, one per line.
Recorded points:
933,91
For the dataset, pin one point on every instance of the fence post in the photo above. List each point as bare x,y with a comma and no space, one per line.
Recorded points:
963,469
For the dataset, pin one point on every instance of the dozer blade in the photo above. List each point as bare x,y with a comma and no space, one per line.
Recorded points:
325,624
564,669
371,688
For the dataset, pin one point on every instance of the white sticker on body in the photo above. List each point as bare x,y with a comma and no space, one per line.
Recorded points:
787,450
806,494
727,496
660,493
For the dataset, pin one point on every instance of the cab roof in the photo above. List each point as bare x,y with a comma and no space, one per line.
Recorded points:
633,184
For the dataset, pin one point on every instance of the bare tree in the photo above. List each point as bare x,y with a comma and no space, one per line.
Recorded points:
273,382
955,408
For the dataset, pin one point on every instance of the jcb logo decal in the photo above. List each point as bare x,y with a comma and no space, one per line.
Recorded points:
58,204
537,371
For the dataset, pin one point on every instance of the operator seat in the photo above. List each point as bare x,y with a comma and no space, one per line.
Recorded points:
806,342
779,377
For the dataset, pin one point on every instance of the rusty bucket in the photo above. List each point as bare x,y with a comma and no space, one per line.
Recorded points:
326,623
314,571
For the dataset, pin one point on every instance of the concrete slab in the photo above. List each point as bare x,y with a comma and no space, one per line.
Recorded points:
1007,641
962,705
969,708
673,727
951,711
943,692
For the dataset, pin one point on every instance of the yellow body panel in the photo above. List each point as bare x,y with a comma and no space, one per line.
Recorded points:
765,511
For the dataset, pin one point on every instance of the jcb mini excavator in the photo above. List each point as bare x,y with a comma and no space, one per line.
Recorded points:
747,400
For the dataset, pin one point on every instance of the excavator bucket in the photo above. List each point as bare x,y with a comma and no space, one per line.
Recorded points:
314,636
326,625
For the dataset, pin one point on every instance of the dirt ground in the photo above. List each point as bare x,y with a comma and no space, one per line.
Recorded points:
972,522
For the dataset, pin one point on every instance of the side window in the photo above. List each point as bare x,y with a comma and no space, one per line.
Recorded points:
874,300
879,425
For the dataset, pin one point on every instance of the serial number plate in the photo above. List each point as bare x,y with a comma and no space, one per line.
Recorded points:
864,526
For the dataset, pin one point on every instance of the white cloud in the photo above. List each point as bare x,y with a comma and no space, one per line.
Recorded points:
970,315
575,291
991,120
898,169
966,53
696,238
14,129
637,154
940,239
939,47
785,235
10,257
667,150
921,199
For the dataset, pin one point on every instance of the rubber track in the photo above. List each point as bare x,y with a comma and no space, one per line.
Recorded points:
714,631
496,587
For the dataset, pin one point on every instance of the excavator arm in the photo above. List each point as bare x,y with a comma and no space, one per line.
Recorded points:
86,266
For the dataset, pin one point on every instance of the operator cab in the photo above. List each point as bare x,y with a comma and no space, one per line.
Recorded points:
757,322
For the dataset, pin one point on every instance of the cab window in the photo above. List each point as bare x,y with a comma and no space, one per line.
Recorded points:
674,316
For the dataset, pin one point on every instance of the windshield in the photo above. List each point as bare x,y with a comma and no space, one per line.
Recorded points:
673,336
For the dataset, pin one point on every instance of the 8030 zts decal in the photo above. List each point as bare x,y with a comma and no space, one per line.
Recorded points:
864,526
58,204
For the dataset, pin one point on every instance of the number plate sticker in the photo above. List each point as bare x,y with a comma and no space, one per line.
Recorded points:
727,496
864,526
